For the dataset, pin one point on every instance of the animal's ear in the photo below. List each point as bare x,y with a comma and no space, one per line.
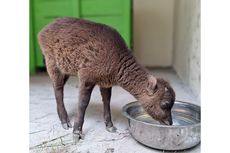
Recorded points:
165,104
152,82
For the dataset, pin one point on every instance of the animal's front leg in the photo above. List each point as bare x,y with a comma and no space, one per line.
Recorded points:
106,96
59,81
84,97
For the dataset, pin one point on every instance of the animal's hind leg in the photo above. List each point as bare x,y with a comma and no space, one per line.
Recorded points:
106,96
59,81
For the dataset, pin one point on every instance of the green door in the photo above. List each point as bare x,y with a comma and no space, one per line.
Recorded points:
44,11
116,13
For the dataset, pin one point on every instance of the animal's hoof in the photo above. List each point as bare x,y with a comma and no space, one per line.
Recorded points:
77,135
111,129
67,125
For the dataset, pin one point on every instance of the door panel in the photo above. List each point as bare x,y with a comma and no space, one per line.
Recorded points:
103,7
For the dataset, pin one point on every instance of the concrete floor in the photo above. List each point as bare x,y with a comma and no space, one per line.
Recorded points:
47,135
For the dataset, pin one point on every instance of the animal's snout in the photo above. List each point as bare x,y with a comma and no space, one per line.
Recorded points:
170,120
167,121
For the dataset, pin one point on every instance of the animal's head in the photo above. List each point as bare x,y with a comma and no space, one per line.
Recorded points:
158,100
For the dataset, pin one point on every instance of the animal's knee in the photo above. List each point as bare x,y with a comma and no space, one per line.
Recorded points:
83,104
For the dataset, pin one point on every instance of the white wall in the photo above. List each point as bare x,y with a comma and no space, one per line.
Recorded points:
186,54
153,31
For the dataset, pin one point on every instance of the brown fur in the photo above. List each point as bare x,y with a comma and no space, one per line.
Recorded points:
151,103
99,56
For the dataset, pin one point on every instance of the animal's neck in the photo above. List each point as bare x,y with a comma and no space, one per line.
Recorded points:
131,76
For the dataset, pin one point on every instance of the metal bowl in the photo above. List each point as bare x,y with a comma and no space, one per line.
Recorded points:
183,134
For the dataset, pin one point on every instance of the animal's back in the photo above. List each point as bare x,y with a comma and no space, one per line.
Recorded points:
76,43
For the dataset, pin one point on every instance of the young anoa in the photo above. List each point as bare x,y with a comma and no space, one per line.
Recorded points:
99,56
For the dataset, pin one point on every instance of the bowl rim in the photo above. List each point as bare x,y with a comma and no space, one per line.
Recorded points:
125,107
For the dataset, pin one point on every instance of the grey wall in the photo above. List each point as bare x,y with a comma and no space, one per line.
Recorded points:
186,50
167,33
153,31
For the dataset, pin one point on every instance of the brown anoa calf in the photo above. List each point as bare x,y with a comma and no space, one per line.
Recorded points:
99,56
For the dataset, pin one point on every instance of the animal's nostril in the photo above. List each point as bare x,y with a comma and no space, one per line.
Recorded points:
165,104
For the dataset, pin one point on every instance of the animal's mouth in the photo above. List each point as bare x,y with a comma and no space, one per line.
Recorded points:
168,121
165,122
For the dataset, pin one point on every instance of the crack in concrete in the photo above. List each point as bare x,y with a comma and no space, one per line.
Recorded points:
114,139
38,118
37,131
43,144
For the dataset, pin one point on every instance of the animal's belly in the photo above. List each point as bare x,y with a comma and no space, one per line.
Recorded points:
104,85
105,82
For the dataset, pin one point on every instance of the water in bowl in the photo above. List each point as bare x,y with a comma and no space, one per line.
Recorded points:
178,119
